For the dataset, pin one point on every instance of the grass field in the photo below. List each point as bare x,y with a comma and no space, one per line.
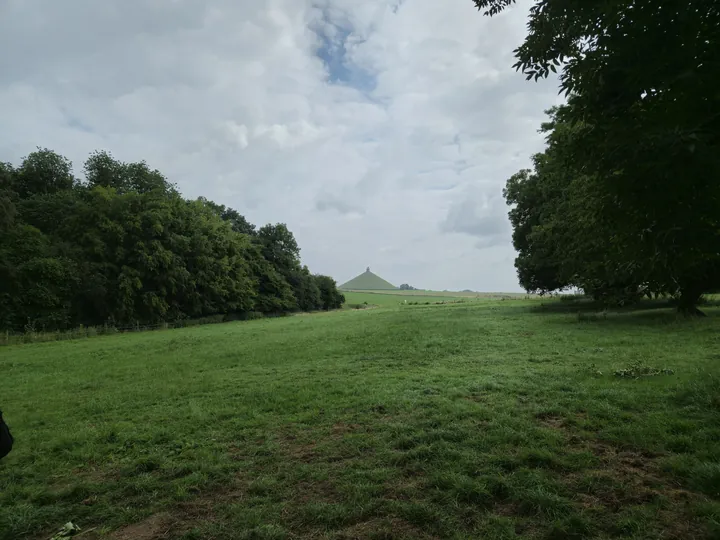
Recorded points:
483,419
394,299
448,294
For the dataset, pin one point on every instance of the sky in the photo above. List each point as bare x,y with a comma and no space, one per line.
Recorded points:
381,132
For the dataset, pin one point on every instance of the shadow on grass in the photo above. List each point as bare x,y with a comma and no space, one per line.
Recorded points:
655,317
586,305
646,313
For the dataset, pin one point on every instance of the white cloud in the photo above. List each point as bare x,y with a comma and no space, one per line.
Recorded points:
480,215
382,131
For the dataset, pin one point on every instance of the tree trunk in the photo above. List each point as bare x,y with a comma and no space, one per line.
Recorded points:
688,301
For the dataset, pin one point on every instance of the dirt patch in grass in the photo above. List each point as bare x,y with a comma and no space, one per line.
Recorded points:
341,429
203,507
315,491
627,478
304,452
382,528
184,516
506,509
405,489
551,421
155,527
324,448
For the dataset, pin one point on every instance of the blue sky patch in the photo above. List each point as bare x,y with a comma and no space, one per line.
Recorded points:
333,52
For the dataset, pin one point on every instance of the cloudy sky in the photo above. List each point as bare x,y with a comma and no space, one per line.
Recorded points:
380,131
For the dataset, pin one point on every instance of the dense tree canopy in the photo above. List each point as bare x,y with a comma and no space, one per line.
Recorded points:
122,247
633,159
560,229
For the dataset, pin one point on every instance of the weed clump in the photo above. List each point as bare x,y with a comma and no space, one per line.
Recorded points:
592,370
637,370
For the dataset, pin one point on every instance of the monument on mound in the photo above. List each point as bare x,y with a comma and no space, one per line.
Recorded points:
367,281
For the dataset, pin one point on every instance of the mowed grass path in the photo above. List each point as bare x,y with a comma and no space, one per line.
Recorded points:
475,420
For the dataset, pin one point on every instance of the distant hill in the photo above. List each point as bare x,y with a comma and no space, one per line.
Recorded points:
367,281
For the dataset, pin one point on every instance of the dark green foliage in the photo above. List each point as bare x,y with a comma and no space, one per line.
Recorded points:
43,172
304,288
101,169
238,222
561,234
279,247
630,173
124,248
330,297
275,295
7,195
35,286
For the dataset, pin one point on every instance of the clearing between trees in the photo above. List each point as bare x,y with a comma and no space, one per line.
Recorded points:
480,419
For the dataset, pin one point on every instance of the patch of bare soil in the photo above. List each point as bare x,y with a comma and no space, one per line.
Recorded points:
305,452
315,491
325,447
405,489
551,421
183,517
626,478
383,528
155,527
340,429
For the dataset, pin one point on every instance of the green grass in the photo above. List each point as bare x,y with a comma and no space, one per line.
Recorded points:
398,298
453,294
356,298
485,419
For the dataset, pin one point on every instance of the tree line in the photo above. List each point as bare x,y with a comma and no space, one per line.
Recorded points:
625,199
122,247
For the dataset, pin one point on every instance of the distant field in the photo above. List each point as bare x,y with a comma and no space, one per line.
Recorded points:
396,298
447,294
486,419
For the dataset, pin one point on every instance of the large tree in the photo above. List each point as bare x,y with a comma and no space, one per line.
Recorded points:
643,79
561,234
